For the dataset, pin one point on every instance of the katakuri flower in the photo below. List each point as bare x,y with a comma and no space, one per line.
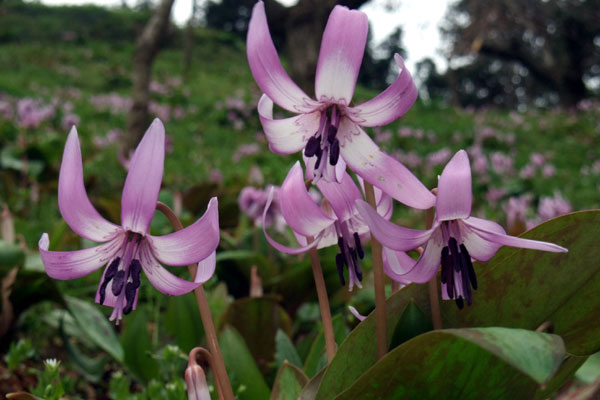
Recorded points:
454,239
129,249
335,221
328,129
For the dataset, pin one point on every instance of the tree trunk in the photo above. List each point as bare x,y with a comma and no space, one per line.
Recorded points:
146,50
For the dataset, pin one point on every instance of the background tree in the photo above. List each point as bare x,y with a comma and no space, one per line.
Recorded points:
557,42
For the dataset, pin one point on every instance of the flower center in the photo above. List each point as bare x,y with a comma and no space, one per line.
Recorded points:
324,144
351,252
124,273
458,274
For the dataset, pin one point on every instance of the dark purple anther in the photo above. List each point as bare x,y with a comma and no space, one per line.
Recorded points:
450,283
118,282
359,249
334,152
331,132
135,269
456,261
459,303
339,263
469,264
312,146
130,290
112,269
319,156
446,267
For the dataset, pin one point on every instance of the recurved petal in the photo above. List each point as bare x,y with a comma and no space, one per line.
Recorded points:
164,281
299,210
206,268
365,158
342,49
483,231
191,244
389,105
75,264
455,195
142,185
385,202
396,264
391,235
341,196
356,314
428,263
75,207
479,248
288,135
266,67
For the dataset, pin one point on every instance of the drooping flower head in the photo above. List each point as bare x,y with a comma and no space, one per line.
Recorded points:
335,221
454,239
328,129
129,249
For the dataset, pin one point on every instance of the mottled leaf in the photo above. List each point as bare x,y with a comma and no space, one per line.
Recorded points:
289,382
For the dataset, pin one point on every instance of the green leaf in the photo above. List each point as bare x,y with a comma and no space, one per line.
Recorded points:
309,391
241,366
182,321
96,326
289,382
413,322
138,346
490,363
565,373
522,288
257,319
11,256
317,357
92,369
285,350
590,370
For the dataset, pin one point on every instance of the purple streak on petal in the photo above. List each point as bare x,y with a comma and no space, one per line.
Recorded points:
75,264
376,167
206,268
356,314
479,248
428,263
341,196
289,135
455,195
75,207
299,210
191,244
266,67
391,104
506,240
162,279
342,49
142,185
389,234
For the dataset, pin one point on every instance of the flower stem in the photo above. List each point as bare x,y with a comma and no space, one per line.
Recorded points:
434,299
219,370
379,279
330,344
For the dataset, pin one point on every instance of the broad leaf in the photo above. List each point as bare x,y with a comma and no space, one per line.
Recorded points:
289,382
413,322
317,357
182,321
285,350
138,346
477,363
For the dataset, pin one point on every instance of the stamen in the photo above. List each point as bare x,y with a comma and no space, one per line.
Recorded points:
118,282
130,290
357,269
454,253
446,267
319,154
359,249
135,269
331,132
334,152
341,244
469,263
339,262
312,146
111,271
459,303
450,284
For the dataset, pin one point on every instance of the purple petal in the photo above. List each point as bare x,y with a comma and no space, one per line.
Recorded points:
455,195
341,196
299,210
391,104
142,185
75,264
356,314
426,266
396,264
378,168
75,207
342,49
191,244
385,202
266,67
479,248
389,234
505,240
162,279
206,268
289,135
